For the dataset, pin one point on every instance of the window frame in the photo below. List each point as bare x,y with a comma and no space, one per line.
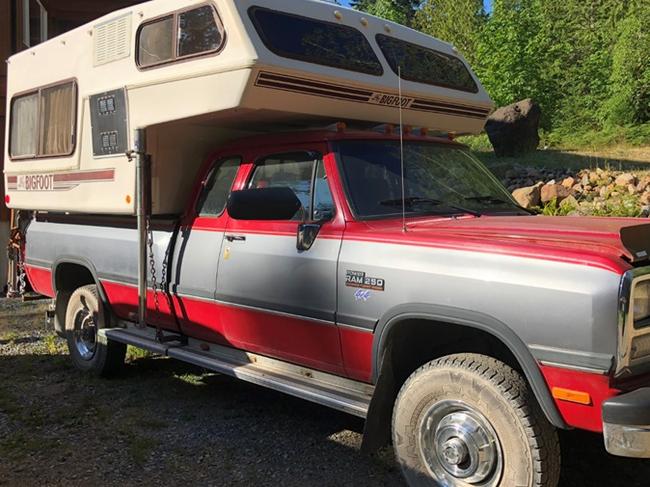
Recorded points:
320,160
305,59
203,193
435,51
39,121
175,14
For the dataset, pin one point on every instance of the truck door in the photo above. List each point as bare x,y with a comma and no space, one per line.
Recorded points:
277,300
196,254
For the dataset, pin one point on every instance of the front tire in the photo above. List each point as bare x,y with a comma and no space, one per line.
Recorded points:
83,319
470,420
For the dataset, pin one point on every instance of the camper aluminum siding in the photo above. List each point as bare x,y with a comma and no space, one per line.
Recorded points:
192,103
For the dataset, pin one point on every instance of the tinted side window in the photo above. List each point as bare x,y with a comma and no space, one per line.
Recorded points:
214,197
156,42
304,173
198,31
424,65
315,41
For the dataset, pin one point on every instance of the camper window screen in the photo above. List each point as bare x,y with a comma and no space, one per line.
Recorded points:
315,41
424,65
198,31
43,123
156,42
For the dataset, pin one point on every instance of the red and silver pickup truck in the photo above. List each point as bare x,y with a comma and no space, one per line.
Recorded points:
462,327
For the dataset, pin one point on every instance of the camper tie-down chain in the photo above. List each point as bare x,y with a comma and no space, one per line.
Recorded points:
15,252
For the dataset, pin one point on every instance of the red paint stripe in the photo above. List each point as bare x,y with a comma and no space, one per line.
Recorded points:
588,417
12,179
41,279
106,174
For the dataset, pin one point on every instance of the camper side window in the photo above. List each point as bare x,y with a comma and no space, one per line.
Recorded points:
179,35
43,122
217,187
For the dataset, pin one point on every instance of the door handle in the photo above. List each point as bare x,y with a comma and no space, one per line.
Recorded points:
238,238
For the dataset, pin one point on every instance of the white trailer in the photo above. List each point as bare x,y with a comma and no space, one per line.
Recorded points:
192,74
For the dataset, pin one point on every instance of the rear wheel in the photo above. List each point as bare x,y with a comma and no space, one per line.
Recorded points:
84,318
469,420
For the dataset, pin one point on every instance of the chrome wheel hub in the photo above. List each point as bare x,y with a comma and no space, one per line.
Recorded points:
459,446
85,333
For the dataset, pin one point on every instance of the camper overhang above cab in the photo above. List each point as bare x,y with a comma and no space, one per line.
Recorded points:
195,74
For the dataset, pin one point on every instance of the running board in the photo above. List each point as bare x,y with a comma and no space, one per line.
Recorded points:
327,389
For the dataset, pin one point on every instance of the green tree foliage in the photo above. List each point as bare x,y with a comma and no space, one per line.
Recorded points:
587,62
459,22
629,87
400,11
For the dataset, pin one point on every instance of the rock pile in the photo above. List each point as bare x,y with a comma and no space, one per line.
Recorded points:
583,192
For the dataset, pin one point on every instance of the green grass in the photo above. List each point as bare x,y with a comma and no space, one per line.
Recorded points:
584,139
134,353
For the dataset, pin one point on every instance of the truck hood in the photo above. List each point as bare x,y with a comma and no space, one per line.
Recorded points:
613,238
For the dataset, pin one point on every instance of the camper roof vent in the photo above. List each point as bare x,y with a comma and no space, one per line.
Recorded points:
112,40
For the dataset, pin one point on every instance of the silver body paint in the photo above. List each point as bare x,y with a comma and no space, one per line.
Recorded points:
572,308
565,313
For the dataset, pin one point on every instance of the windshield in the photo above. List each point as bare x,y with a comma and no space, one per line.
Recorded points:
438,179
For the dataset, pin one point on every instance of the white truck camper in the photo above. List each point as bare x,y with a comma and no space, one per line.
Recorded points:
186,76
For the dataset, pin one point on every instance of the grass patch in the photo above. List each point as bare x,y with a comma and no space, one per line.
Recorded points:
134,353
19,445
139,447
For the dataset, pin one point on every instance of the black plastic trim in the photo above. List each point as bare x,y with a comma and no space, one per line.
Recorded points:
463,317
629,409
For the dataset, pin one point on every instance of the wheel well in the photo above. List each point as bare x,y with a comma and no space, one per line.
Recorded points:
413,343
68,276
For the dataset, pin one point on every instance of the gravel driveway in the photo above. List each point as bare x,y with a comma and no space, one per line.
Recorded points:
165,423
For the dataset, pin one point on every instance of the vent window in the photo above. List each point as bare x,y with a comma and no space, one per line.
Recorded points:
315,41
179,35
423,65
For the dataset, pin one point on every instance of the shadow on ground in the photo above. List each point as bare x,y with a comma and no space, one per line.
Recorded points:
164,422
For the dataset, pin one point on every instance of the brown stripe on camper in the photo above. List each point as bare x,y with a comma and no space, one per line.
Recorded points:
59,181
332,90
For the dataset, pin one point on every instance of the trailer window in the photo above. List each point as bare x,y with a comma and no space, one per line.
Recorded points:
43,122
424,65
156,42
216,191
315,41
198,32
24,126
179,35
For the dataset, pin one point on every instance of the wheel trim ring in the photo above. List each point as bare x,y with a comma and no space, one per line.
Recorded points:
486,472
85,333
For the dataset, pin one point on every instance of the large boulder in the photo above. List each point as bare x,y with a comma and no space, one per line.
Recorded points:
513,129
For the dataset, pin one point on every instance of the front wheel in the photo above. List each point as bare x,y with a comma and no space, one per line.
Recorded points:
470,420
83,319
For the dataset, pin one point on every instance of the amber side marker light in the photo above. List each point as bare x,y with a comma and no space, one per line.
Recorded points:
569,395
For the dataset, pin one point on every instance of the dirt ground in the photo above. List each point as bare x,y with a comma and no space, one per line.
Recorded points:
165,423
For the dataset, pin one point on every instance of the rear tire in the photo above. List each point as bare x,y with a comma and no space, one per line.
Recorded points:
84,317
470,420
